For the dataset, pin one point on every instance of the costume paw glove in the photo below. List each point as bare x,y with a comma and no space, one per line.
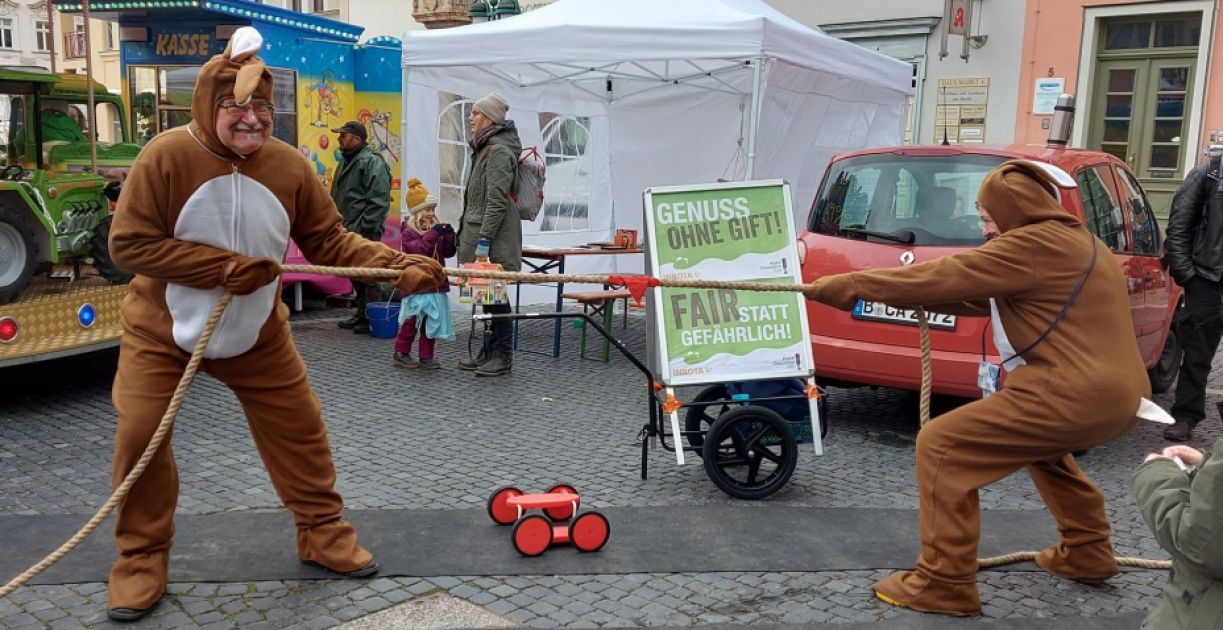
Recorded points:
243,275
837,291
420,273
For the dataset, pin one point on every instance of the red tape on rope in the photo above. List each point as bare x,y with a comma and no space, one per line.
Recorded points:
636,285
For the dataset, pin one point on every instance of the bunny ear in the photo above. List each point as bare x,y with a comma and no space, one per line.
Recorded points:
247,80
246,41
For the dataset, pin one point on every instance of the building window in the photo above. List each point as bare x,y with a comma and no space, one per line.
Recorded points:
1164,32
6,33
110,36
453,155
567,188
41,36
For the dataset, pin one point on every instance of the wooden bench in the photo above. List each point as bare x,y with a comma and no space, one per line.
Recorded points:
601,303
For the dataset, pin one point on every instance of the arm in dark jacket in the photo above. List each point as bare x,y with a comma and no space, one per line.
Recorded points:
498,182
1184,221
448,246
1184,513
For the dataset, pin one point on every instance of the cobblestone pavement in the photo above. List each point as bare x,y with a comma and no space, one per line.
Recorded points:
443,440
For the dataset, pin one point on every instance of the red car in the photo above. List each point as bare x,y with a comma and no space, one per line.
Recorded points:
878,207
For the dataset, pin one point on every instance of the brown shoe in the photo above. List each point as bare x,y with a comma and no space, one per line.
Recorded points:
400,360
1181,431
369,569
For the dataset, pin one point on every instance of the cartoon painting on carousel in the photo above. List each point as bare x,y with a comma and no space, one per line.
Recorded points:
324,99
323,103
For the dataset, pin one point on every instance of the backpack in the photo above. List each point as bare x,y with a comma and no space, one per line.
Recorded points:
527,192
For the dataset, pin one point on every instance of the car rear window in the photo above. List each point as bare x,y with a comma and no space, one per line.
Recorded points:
904,199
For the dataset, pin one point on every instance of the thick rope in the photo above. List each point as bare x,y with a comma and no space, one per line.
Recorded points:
518,276
167,420
163,429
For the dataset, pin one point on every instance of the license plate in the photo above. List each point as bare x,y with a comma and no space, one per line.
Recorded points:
880,312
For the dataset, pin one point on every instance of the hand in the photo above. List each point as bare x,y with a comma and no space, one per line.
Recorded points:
482,249
419,273
836,291
1189,456
1151,456
443,229
243,275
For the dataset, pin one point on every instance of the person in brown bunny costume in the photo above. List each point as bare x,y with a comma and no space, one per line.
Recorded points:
206,209
1079,387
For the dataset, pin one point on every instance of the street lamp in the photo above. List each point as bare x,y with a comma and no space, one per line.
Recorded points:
485,10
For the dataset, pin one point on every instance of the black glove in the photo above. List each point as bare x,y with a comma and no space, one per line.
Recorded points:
443,229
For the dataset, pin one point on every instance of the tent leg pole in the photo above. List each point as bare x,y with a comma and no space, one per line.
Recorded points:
757,77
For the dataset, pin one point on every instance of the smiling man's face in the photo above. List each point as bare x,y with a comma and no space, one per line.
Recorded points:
244,129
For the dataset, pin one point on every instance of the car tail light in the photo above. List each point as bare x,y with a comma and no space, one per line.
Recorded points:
8,329
802,252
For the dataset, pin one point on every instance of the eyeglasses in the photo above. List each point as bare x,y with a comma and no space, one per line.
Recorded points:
260,107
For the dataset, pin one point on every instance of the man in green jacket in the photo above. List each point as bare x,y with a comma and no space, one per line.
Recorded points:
1180,494
490,228
362,192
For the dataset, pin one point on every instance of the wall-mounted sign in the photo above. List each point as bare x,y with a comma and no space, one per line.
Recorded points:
1044,98
962,105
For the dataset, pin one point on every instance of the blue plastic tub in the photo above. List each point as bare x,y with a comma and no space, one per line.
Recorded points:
383,319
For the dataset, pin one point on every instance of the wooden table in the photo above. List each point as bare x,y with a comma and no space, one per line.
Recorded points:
552,260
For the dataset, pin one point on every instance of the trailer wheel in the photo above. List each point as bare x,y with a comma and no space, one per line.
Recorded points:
100,251
750,452
701,417
18,251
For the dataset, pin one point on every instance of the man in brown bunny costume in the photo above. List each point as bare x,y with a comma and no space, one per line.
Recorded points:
1079,387
209,208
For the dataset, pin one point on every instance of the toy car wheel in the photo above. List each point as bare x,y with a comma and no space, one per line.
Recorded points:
499,508
699,417
589,531
532,535
750,452
559,514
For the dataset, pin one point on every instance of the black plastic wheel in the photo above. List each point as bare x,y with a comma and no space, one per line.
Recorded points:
750,452
1163,374
561,514
499,510
589,531
701,417
18,250
99,250
532,535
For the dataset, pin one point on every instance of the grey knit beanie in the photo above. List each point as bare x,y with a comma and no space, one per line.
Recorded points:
493,106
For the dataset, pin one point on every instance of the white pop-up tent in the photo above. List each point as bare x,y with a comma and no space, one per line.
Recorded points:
650,93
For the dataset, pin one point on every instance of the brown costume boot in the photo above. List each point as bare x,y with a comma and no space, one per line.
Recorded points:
912,590
334,546
1090,564
137,582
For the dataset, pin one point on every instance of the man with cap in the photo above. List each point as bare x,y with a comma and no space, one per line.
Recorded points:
208,209
490,228
1074,380
362,192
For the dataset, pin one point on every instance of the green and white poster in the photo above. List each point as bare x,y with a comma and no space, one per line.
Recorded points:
740,231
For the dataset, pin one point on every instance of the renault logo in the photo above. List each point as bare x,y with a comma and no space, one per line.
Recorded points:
907,258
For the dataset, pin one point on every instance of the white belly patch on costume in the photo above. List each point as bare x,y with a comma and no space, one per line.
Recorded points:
235,213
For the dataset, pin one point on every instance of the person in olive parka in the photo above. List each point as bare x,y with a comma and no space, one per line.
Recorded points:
1077,387
1184,508
490,227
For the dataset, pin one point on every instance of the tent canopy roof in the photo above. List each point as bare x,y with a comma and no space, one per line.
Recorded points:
644,39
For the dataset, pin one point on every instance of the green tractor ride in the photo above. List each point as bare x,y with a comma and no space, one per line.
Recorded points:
56,197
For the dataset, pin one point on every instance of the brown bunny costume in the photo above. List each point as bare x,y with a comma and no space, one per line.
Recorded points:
1077,389
195,220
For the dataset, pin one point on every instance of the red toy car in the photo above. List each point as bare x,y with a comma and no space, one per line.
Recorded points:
534,533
